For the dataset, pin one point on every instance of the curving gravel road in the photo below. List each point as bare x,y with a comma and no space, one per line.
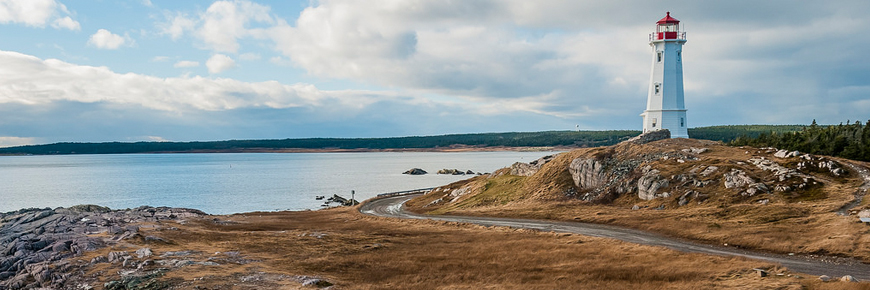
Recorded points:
834,267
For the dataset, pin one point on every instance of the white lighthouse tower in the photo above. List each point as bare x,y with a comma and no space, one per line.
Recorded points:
665,108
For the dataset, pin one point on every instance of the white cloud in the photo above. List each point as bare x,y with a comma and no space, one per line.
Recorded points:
277,60
66,22
156,139
6,141
147,3
219,63
159,58
221,25
249,56
36,13
177,25
105,39
186,63
224,22
29,80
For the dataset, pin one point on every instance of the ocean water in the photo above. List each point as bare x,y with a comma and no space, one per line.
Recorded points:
228,182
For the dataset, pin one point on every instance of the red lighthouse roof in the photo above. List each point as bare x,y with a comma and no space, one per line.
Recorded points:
668,19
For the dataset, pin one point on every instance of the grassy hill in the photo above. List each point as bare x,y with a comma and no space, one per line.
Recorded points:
695,189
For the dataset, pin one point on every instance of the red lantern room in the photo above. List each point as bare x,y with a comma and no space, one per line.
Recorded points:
668,28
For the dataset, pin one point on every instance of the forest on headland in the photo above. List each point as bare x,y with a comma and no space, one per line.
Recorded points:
850,140
511,139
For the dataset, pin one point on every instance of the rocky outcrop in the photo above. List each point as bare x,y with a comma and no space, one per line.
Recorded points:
650,137
415,171
736,179
694,150
456,172
811,163
649,184
588,173
785,154
34,243
781,173
529,169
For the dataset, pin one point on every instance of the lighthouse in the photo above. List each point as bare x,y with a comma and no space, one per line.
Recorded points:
665,108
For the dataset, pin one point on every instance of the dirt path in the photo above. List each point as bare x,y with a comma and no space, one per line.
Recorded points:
862,191
392,207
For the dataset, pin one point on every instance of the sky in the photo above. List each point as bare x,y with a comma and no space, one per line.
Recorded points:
154,70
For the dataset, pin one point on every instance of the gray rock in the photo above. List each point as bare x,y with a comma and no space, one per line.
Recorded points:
415,171
736,179
825,278
99,259
35,242
451,171
143,253
529,169
709,170
145,263
650,137
587,173
848,278
117,256
649,184
694,150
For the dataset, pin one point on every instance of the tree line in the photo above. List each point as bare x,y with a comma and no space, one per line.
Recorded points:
511,139
850,140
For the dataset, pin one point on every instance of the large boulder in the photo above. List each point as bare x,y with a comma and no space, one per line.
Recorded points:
587,173
649,184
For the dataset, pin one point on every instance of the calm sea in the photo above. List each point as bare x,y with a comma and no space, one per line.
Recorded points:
228,183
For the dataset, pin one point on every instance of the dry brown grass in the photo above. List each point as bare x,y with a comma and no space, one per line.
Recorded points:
803,222
362,252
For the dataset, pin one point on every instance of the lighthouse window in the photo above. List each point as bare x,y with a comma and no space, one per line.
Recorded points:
654,122
679,56
682,122
659,56
658,88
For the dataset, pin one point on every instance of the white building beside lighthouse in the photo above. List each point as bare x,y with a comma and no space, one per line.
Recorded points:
665,108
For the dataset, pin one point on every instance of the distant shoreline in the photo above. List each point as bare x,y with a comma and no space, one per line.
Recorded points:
452,149
479,142
364,150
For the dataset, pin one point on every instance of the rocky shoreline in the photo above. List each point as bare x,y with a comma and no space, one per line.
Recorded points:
36,244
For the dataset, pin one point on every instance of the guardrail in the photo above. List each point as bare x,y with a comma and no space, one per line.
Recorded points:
405,192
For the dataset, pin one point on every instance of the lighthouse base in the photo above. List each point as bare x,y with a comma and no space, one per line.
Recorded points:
673,120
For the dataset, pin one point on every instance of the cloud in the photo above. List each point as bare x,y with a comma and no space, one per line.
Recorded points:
147,3
224,22
219,63
176,25
66,22
582,60
36,13
6,141
159,58
156,139
60,101
249,56
104,39
185,63
28,80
